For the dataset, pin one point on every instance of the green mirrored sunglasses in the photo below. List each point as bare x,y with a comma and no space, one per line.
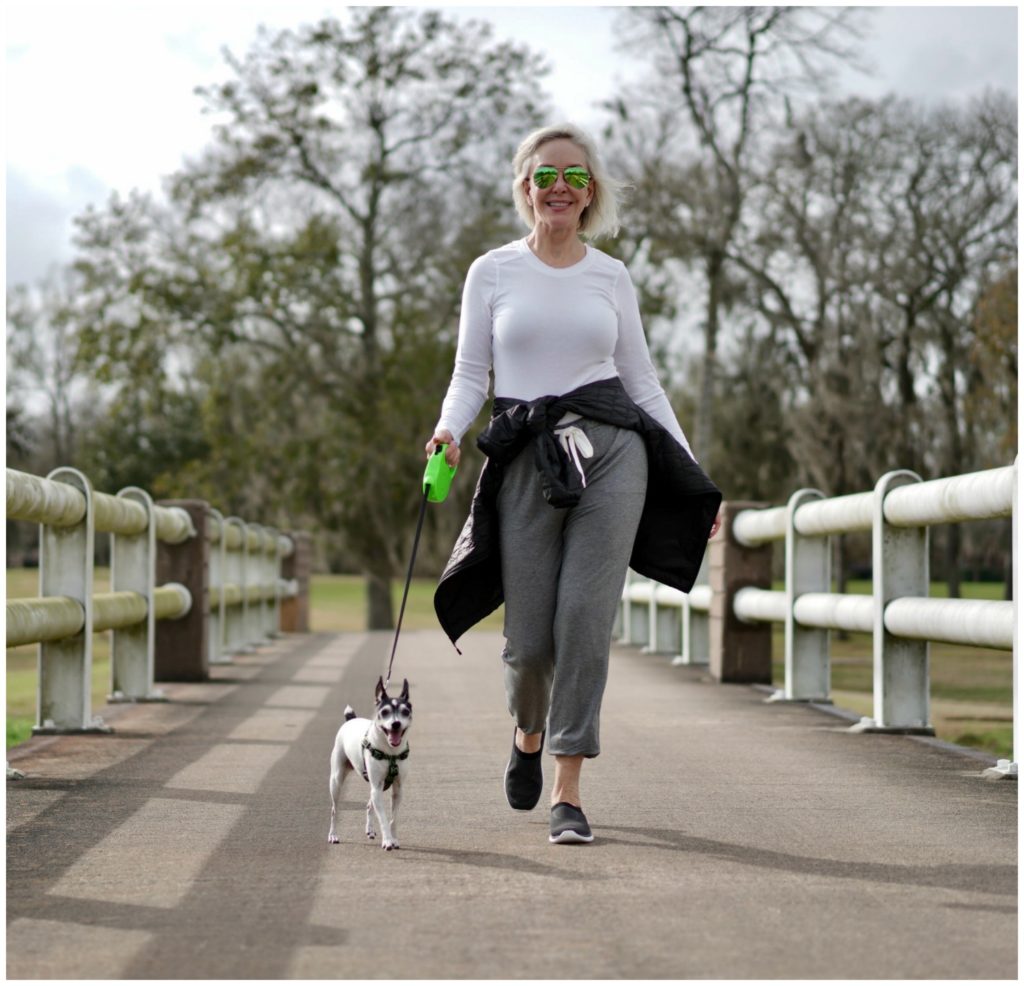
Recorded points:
546,175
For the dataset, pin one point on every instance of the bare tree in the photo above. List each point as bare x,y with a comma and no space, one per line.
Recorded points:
45,382
951,218
947,225
808,273
879,224
318,246
721,79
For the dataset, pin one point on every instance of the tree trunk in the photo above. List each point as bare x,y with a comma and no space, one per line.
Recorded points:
379,612
706,410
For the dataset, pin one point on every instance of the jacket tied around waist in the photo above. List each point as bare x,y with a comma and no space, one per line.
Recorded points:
679,509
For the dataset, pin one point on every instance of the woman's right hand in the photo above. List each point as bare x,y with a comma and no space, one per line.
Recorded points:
444,437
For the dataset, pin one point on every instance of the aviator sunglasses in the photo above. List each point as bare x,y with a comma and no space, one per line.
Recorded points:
576,177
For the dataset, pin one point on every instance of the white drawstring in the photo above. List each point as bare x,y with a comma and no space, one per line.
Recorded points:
575,443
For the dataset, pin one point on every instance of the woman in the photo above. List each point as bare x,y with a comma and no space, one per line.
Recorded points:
564,503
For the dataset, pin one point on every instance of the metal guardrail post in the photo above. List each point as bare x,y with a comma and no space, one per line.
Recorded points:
696,643
218,539
667,625
234,574
1008,769
259,615
252,556
271,588
253,584
182,645
740,652
808,569
900,568
640,617
133,569
64,697
624,617
283,547
268,583
651,647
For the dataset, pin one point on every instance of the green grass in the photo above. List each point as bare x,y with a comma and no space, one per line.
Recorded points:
337,603
972,687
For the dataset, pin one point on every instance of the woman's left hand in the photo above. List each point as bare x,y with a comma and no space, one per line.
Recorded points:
716,525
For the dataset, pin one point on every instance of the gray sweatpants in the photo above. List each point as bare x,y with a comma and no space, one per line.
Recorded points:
563,571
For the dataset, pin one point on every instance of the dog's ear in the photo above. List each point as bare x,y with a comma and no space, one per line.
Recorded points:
379,690
405,689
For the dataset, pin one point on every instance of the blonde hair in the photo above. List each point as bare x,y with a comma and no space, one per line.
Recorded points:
601,216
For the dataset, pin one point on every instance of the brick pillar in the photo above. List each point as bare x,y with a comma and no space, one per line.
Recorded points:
298,565
182,645
740,652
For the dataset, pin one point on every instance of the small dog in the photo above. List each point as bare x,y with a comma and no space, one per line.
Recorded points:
378,750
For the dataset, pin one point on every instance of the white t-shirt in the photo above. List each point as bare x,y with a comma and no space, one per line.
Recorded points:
546,331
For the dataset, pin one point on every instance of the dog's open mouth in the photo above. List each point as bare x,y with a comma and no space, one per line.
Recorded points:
395,738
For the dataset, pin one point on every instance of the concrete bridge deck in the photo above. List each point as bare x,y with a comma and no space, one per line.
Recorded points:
733,839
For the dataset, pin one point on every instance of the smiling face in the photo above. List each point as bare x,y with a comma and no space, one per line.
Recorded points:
559,206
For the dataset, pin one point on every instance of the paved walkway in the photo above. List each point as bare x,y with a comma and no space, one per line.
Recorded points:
734,839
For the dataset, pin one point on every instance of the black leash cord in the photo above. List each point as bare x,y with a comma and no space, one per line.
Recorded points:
408,580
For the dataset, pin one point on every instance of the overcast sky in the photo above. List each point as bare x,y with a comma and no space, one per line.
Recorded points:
99,94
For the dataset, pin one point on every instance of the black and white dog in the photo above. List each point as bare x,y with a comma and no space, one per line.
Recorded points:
378,750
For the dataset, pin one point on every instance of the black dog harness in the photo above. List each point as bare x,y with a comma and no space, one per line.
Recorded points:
379,755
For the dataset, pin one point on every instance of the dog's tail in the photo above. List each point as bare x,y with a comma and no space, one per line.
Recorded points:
349,713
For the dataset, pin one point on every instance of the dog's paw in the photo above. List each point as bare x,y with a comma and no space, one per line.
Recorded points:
389,845
332,839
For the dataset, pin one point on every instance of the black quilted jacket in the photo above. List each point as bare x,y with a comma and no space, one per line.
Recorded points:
679,511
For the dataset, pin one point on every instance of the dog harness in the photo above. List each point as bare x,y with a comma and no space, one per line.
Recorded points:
379,755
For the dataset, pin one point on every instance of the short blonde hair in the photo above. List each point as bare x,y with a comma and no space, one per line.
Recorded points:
601,217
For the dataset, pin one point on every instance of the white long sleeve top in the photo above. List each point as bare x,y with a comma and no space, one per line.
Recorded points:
546,331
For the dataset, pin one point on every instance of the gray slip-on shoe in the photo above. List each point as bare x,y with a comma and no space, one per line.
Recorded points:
569,824
524,777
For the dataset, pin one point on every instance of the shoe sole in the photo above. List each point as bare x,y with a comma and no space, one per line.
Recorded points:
508,767
568,837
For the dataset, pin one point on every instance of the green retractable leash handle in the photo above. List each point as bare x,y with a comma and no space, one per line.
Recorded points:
437,477
437,481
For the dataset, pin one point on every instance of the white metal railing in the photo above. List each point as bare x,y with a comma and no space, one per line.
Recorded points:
899,613
676,623
244,587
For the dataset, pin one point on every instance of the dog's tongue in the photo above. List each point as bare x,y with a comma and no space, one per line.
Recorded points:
395,739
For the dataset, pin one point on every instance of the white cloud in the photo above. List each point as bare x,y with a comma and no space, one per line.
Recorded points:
38,229
585,67
935,53
111,84
105,89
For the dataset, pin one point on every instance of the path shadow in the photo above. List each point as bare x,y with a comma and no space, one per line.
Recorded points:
978,878
502,861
